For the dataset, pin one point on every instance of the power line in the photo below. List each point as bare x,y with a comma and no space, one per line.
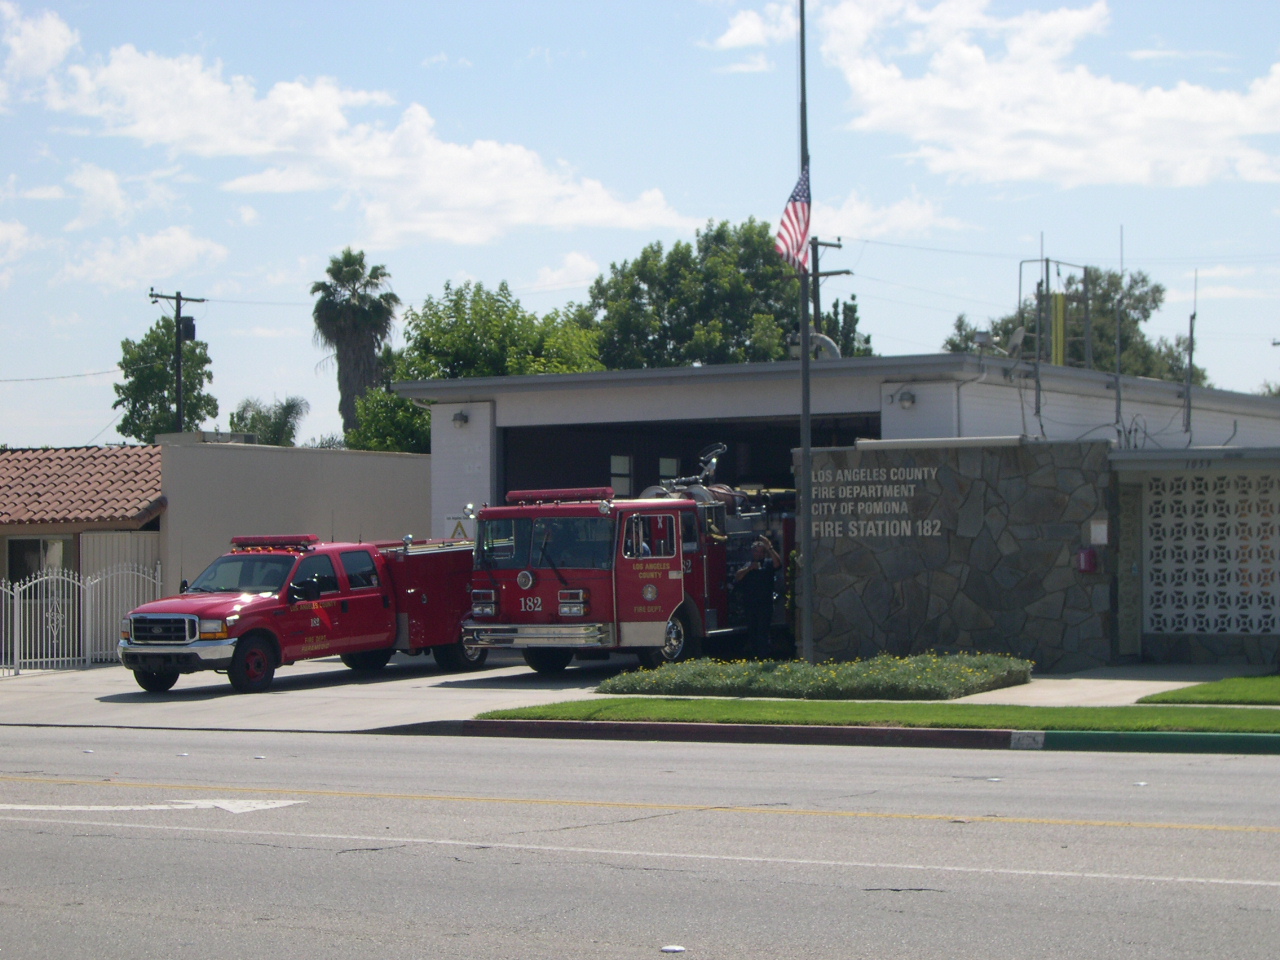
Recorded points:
261,303
68,376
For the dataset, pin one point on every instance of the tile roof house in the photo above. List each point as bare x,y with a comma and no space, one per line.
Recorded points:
58,504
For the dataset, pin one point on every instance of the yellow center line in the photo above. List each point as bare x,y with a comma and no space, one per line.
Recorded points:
637,805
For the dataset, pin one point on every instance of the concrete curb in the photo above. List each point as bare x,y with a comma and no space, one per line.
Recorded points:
954,738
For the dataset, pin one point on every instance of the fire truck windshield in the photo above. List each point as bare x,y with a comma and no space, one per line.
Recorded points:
244,573
575,543
579,543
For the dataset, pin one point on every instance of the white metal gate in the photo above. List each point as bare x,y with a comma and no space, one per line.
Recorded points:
56,619
1211,544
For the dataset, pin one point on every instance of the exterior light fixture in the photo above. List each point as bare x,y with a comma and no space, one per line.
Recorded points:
460,419
906,399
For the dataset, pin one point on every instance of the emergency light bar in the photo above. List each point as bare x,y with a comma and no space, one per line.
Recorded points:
560,494
279,541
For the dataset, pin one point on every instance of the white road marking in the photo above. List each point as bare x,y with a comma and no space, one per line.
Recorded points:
231,806
671,855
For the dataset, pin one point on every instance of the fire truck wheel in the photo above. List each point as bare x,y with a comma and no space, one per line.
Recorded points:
367,661
548,662
680,643
253,667
155,682
458,656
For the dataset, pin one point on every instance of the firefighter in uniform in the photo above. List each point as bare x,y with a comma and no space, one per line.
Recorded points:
755,581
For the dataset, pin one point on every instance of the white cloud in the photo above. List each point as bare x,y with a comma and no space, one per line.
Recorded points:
248,215
575,271
1221,271
753,28
856,217
756,63
100,197
409,182
1162,54
143,260
15,240
998,99
52,192
36,44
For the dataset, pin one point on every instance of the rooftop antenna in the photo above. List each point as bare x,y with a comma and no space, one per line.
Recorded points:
1191,355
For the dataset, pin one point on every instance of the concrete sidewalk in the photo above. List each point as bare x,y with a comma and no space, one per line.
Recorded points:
324,696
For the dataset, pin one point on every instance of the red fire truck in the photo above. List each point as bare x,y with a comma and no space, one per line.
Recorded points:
568,572
274,600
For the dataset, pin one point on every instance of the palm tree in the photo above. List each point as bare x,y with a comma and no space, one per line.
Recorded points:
276,424
353,320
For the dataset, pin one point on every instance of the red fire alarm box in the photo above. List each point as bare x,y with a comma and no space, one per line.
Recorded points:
1087,560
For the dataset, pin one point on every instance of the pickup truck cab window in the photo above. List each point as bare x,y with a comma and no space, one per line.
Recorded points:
244,573
318,567
361,572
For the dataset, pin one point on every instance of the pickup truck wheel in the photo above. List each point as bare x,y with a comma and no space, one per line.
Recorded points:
548,662
367,661
458,656
253,667
154,682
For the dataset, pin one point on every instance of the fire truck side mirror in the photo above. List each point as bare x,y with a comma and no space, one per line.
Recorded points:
304,590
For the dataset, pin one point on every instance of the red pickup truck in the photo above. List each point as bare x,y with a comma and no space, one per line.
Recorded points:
274,600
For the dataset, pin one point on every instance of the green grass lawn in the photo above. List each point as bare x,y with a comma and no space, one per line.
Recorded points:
1244,690
922,677
832,713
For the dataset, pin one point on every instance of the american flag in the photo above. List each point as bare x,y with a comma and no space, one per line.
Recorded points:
793,232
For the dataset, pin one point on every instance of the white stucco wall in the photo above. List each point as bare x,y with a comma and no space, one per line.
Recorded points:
220,490
464,464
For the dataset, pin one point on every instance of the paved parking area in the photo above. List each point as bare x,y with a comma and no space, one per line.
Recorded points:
317,695
324,696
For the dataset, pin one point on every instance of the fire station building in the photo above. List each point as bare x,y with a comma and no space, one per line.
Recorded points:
961,502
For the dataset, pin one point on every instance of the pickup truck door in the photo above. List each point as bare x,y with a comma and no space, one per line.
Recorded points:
367,614
650,577
312,629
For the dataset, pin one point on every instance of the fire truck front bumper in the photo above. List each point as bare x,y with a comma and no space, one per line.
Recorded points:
178,657
518,635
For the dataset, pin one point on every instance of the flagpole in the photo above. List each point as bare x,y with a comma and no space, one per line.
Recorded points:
805,480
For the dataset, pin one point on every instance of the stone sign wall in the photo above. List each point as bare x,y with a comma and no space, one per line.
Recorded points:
960,547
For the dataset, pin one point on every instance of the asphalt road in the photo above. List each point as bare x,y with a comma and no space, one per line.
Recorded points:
164,844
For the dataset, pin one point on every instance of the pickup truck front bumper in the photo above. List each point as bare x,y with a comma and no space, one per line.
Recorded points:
178,657
519,635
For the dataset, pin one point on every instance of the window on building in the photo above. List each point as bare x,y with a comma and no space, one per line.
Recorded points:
668,468
28,555
620,474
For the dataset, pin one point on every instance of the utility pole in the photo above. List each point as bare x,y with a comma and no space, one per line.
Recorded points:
817,275
1120,434
1191,354
184,328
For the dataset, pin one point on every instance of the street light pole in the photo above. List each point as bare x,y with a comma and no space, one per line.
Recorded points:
184,328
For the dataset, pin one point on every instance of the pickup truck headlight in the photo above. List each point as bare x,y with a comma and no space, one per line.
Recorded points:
216,629
126,629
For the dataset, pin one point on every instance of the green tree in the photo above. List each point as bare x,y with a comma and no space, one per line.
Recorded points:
148,396
1269,389
840,323
275,424
353,318
469,331
1134,297
726,298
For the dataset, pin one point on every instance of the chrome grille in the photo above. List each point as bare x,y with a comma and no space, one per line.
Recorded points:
156,629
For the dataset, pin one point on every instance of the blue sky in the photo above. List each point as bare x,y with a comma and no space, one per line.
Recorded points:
228,150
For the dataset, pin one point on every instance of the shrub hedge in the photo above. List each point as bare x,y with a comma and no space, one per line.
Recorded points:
924,677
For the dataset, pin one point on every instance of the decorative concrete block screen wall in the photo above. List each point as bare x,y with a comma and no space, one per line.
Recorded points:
948,545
